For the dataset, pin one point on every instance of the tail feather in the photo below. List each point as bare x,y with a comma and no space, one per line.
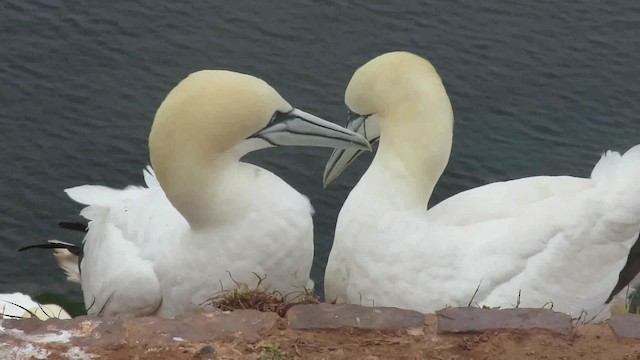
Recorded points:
97,195
69,263
67,255
99,198
56,244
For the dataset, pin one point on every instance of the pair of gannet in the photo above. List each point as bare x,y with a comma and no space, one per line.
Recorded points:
205,221
209,220
537,241
21,306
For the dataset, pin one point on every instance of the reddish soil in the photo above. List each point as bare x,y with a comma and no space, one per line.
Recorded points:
280,343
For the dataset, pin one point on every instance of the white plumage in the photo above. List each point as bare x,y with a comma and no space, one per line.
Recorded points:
141,257
13,305
21,306
557,241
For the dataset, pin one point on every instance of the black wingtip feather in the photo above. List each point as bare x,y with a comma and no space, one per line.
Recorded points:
75,226
629,271
74,249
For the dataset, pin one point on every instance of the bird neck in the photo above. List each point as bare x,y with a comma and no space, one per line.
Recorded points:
410,159
196,185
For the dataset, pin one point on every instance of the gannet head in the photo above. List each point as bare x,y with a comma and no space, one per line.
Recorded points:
391,93
213,111
214,116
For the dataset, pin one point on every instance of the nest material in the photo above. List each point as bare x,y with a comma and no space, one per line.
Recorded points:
256,298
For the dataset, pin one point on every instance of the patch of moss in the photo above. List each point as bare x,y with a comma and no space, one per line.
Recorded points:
273,352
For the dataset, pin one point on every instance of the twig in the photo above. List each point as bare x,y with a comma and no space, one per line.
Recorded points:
474,294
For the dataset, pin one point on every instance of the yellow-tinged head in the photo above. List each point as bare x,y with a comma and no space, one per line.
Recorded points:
391,81
398,99
211,111
213,117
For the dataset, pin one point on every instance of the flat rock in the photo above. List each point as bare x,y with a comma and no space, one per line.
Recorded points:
329,316
248,324
82,330
89,331
473,319
626,325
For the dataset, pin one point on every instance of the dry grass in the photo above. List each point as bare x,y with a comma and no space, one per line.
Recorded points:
631,305
244,297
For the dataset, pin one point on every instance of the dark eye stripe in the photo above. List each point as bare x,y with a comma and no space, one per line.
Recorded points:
279,116
351,115
274,116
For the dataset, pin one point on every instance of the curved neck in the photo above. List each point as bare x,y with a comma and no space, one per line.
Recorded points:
192,184
413,153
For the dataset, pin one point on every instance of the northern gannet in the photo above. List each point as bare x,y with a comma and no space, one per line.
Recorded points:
554,240
21,306
205,221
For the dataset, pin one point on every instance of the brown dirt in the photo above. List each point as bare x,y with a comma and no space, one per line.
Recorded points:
282,343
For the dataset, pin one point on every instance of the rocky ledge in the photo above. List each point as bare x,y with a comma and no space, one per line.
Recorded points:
326,331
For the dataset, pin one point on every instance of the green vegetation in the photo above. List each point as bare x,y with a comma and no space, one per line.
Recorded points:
273,352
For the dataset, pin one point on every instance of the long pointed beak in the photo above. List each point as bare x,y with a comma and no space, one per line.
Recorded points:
298,128
340,159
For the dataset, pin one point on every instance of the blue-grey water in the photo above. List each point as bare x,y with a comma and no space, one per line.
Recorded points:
538,87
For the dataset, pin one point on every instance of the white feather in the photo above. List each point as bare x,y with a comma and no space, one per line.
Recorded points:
68,262
141,257
13,305
558,240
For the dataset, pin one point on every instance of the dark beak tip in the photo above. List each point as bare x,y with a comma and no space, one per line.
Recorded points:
326,181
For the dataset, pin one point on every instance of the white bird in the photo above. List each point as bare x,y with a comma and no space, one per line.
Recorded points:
13,305
21,306
205,220
555,240
45,312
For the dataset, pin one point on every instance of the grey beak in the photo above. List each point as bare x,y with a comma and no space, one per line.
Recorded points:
298,128
367,126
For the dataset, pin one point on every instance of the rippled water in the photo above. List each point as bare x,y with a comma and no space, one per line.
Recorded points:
537,88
